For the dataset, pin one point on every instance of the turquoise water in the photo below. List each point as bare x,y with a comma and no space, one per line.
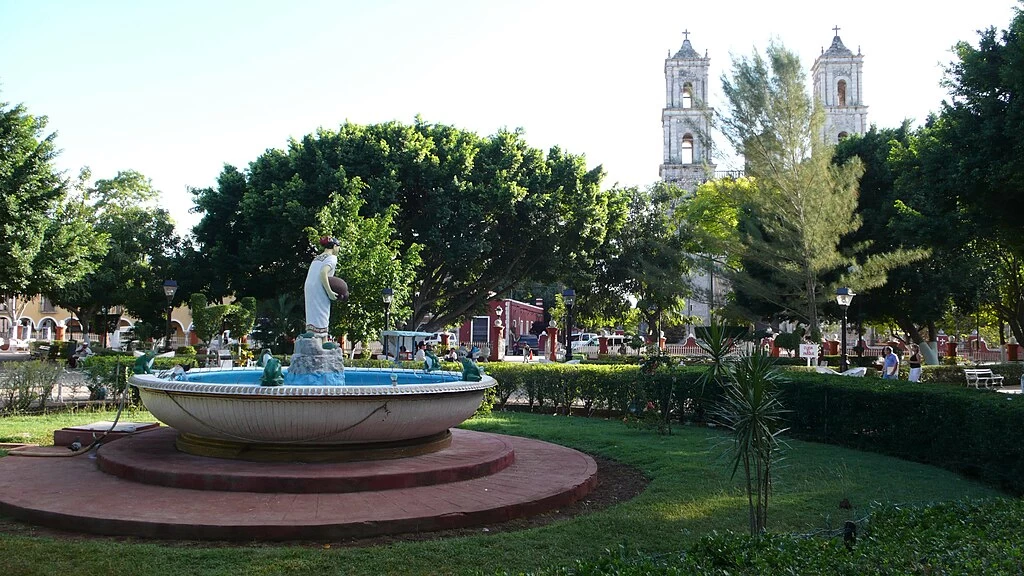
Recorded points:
353,377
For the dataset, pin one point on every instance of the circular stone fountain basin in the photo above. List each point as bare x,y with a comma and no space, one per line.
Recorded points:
227,413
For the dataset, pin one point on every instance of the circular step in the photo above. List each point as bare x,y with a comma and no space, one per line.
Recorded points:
71,493
151,458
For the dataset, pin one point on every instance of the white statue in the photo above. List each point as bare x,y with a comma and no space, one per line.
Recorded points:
318,288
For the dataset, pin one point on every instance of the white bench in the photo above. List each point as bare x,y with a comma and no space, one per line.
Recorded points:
982,376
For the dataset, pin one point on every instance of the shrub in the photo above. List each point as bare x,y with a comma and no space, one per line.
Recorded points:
27,384
110,372
789,341
674,390
954,539
964,430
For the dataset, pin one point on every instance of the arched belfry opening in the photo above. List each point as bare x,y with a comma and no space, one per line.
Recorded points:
841,92
686,150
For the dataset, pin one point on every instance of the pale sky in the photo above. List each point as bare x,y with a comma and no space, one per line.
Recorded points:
177,89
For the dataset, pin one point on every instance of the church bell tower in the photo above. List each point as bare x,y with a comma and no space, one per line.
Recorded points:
686,118
838,86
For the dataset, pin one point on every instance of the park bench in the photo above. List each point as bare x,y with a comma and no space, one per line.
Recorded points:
978,377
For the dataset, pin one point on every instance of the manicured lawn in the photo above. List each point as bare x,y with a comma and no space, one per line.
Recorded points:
39,429
690,495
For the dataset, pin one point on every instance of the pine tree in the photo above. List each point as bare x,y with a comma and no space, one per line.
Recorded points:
801,204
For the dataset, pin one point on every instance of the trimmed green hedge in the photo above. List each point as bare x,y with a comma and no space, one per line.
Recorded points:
104,374
604,387
965,430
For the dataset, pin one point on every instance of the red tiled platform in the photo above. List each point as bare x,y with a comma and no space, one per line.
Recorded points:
152,459
48,491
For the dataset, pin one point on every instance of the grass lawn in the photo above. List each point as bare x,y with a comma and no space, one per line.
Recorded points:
690,495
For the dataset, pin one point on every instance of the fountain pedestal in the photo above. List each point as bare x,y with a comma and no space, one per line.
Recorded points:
313,365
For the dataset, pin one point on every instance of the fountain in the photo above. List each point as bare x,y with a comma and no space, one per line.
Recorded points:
227,413
313,451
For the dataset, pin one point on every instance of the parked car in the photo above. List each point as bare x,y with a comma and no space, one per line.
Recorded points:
526,341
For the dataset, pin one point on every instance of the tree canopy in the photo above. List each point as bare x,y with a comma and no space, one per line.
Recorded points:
907,201
488,212
139,244
44,238
980,128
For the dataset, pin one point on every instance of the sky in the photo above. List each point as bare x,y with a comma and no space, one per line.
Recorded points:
176,90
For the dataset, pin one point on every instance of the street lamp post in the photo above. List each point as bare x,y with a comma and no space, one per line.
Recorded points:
170,287
655,329
844,296
387,295
569,297
103,327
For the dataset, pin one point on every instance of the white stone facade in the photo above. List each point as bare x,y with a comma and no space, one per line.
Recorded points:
686,123
686,119
839,86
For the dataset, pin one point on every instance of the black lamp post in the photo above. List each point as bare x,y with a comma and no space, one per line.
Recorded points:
387,295
569,297
103,326
170,287
844,296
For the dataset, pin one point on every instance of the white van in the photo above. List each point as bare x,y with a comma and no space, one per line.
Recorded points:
435,340
581,339
614,341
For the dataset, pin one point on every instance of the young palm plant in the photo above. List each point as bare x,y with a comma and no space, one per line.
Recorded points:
750,407
716,341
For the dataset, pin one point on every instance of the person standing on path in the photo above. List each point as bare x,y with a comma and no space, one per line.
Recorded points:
915,363
891,367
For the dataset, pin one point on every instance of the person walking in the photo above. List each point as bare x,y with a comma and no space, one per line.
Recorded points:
891,367
915,363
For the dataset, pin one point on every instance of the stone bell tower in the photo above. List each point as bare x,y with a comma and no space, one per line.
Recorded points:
839,87
686,118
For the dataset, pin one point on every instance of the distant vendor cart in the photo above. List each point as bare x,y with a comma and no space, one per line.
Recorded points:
401,344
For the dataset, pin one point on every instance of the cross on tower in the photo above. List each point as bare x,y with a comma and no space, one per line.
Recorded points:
836,29
686,34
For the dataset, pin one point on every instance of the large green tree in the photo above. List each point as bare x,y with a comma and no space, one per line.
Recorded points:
370,260
803,204
489,212
905,203
139,249
649,261
45,240
981,126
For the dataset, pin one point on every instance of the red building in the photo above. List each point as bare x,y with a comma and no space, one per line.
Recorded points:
516,317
